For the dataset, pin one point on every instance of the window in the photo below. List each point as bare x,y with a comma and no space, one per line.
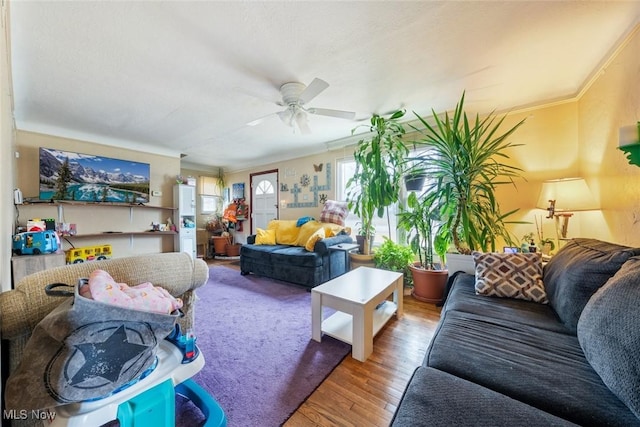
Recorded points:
264,187
210,204
345,168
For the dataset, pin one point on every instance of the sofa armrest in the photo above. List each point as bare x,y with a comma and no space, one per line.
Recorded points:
251,239
322,246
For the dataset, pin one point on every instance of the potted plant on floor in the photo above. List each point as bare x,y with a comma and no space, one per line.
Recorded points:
395,257
376,183
420,219
464,159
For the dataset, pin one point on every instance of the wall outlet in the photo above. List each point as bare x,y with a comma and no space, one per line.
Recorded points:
156,193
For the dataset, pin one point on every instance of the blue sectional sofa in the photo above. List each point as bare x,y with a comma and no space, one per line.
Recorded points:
506,362
293,262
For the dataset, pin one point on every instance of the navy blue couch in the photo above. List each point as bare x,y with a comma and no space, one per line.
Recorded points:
506,362
295,264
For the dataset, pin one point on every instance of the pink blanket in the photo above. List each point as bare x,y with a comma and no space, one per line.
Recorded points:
144,297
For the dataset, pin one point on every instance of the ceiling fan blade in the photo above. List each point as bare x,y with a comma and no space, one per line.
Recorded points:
313,90
348,115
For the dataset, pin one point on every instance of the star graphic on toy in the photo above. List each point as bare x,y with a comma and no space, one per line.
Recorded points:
106,359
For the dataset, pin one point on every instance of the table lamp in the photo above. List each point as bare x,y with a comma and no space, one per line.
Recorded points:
561,197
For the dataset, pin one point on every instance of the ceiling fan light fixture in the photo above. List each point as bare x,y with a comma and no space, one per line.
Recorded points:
295,97
286,116
301,120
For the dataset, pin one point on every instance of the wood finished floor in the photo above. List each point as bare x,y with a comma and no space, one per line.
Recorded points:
366,394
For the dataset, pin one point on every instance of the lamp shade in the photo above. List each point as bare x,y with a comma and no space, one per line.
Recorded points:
570,195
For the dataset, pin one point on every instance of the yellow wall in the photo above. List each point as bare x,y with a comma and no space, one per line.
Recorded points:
580,138
611,102
92,219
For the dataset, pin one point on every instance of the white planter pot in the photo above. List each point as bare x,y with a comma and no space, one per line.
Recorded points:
458,262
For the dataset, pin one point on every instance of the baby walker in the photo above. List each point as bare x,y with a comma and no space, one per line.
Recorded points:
150,402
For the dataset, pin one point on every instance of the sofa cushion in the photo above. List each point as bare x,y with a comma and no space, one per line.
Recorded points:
435,398
510,275
462,297
260,252
295,256
265,237
334,211
609,333
578,269
542,368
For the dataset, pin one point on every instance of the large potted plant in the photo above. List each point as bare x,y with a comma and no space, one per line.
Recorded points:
376,183
464,159
420,219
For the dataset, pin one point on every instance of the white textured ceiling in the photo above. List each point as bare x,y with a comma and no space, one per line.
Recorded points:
186,77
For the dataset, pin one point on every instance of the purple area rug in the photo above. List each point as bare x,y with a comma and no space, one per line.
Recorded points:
255,335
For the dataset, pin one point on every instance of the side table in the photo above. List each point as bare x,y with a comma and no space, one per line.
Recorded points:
346,248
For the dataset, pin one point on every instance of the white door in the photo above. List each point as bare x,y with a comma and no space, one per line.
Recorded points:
264,194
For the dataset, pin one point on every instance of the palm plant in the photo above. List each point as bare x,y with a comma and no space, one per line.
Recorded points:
464,161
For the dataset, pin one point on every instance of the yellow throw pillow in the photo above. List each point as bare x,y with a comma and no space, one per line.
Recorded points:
306,230
311,243
265,237
287,232
331,229
273,224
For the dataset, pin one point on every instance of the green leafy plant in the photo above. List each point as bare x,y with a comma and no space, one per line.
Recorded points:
395,257
464,161
376,183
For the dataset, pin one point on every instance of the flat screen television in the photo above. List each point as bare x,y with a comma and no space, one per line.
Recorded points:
65,175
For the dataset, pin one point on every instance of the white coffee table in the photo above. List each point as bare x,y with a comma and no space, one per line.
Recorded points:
355,295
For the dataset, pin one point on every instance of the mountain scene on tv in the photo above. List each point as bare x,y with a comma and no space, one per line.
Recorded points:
66,175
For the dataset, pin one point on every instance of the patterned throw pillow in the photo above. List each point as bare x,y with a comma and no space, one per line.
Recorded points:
510,275
335,212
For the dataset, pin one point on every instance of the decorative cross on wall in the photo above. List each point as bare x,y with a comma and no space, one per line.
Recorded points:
314,188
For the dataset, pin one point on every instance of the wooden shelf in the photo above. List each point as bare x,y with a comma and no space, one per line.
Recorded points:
102,204
119,233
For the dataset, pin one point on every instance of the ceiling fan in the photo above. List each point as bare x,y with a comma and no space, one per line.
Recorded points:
295,97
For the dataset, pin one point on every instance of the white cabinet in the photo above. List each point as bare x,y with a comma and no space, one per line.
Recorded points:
184,199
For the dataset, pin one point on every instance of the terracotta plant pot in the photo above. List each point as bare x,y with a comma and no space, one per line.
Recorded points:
428,285
220,244
233,249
